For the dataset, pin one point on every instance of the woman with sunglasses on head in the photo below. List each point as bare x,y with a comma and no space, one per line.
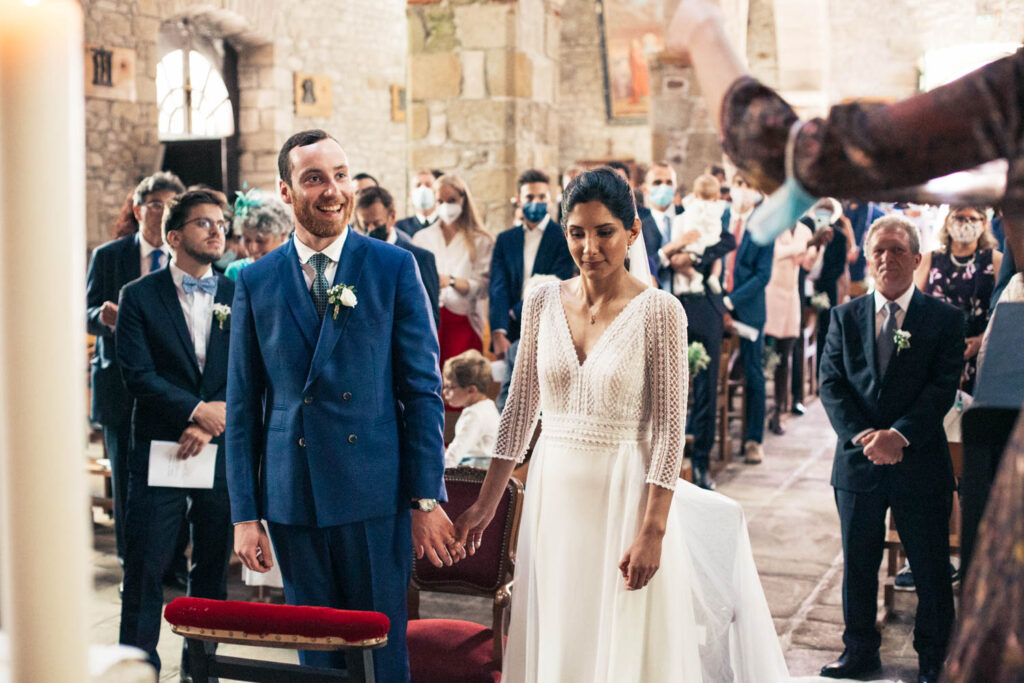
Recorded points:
962,272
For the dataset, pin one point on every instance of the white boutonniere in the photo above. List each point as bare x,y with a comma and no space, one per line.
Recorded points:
341,295
221,313
821,302
902,339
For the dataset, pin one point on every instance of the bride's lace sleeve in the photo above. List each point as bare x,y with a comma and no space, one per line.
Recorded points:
519,418
668,375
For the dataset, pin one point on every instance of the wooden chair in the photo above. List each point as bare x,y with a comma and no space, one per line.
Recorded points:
454,650
202,621
729,353
735,383
894,547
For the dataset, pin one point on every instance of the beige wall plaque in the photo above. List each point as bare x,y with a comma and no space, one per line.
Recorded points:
398,105
110,72
312,95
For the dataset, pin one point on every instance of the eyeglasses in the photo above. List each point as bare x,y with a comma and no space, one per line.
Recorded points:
967,220
206,224
154,205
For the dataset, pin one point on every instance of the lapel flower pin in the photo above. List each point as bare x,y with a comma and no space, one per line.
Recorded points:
902,339
221,313
341,295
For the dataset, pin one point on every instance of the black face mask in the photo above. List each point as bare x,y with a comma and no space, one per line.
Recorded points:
380,233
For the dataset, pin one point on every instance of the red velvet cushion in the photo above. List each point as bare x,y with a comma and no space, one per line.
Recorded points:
451,651
261,618
482,569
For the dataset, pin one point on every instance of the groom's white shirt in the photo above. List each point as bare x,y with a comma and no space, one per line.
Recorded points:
333,252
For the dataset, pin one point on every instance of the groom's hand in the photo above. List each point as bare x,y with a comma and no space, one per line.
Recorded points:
211,416
192,441
433,535
253,546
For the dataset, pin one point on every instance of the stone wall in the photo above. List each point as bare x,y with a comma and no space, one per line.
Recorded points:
482,94
585,133
360,46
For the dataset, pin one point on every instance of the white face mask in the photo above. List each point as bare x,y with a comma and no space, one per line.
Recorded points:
965,233
422,198
743,197
449,213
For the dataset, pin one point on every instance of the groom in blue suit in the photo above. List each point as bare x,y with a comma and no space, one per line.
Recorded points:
334,422
889,374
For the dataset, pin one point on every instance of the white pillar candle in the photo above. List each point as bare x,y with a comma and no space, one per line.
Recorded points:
45,529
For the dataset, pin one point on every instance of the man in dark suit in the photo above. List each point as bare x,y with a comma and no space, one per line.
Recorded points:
537,247
114,265
335,419
423,199
704,315
889,374
652,236
752,269
375,217
172,345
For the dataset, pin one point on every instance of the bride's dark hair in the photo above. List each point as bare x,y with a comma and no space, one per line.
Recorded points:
600,185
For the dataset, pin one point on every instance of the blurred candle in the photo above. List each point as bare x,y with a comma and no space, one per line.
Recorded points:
44,509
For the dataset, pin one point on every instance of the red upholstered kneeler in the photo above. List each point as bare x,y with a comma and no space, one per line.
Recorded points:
284,626
448,650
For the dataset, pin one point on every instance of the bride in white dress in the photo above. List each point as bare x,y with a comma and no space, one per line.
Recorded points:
624,572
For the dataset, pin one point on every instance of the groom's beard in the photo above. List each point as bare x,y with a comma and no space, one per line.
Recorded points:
320,224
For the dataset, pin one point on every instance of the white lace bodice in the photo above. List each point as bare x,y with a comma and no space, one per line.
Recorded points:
633,382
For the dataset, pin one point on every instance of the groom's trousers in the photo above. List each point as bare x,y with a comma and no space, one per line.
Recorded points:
363,565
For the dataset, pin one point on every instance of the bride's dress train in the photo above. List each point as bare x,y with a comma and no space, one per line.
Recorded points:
612,425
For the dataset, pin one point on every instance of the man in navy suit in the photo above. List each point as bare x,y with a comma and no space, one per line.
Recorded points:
537,247
751,271
114,265
375,217
172,346
423,198
889,373
652,235
335,419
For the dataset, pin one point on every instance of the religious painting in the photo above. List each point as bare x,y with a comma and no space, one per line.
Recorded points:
313,95
632,32
110,72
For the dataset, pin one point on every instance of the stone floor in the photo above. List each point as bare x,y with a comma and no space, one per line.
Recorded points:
793,528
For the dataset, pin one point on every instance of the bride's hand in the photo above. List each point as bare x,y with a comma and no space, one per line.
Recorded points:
642,560
469,527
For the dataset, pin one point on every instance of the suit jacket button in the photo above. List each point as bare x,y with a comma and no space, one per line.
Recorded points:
347,396
302,442
351,438
307,399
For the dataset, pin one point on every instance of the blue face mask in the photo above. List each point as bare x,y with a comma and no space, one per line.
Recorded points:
661,195
822,219
534,212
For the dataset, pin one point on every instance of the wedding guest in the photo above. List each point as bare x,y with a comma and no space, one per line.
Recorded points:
536,247
423,199
705,217
172,346
364,180
265,223
659,190
886,404
830,267
462,250
962,272
652,233
125,223
467,379
375,217
114,265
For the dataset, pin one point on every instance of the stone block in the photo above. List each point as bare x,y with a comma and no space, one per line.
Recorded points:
435,75
473,84
438,134
419,121
485,25
543,81
439,29
417,31
480,121
442,157
523,76
248,121
145,27
492,184
258,56
499,73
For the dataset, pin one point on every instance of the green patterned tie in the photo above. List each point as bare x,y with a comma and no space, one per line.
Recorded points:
319,288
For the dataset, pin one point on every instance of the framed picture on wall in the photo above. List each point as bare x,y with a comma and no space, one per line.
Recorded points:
631,33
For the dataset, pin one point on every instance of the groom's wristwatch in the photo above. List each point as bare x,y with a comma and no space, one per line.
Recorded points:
424,504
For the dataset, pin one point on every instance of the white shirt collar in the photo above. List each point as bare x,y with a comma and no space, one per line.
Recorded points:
428,219
148,248
540,226
392,236
178,275
332,251
903,300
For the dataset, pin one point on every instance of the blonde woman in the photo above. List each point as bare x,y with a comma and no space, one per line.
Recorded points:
462,250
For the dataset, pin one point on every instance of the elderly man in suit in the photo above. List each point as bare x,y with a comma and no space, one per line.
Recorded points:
172,346
335,419
114,265
537,247
889,373
375,217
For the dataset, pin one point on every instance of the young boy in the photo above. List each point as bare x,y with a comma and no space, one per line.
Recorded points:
703,214
467,377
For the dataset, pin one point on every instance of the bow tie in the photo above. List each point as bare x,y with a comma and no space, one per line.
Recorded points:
207,284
